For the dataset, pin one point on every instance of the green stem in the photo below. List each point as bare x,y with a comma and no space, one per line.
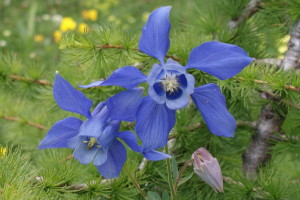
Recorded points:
180,174
170,180
136,184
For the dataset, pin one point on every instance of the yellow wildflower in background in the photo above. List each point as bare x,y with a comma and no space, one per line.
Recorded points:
57,35
38,38
83,28
145,16
91,14
283,45
67,24
85,14
3,152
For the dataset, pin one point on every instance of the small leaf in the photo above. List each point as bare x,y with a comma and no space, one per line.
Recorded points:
162,175
153,195
185,179
165,196
174,169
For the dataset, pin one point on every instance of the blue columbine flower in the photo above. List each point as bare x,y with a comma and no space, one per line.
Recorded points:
95,139
170,86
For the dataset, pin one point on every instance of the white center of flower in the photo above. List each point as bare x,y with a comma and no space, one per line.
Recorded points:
91,142
170,83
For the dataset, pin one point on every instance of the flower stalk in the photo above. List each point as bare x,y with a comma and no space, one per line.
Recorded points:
170,180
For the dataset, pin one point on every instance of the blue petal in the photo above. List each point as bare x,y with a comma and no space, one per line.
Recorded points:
155,36
129,138
158,88
219,59
70,99
74,142
124,105
92,127
184,99
116,158
109,134
153,124
127,77
154,74
178,103
182,80
155,155
190,84
83,154
98,108
174,95
211,103
93,84
100,157
60,133
99,127
172,65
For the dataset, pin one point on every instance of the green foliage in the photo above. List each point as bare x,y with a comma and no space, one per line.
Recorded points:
26,102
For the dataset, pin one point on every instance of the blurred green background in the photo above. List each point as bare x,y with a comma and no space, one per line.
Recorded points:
38,38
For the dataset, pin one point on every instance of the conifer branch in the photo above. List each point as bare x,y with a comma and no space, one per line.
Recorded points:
29,80
261,82
251,124
17,119
271,96
111,46
250,9
259,190
258,151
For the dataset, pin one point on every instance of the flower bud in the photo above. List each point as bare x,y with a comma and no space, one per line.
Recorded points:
208,169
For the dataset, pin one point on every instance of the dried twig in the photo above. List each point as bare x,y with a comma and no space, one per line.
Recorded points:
17,119
29,80
111,46
252,124
250,9
270,61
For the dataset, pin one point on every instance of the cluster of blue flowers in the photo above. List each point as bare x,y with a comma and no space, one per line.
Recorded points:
170,88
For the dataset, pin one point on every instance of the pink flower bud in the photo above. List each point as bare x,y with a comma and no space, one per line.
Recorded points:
208,169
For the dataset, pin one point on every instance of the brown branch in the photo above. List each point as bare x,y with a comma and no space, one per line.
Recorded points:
258,151
111,46
17,119
261,82
269,61
251,124
29,80
250,9
292,55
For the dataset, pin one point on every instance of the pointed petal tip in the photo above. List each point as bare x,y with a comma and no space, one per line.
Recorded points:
155,40
70,99
219,59
212,105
